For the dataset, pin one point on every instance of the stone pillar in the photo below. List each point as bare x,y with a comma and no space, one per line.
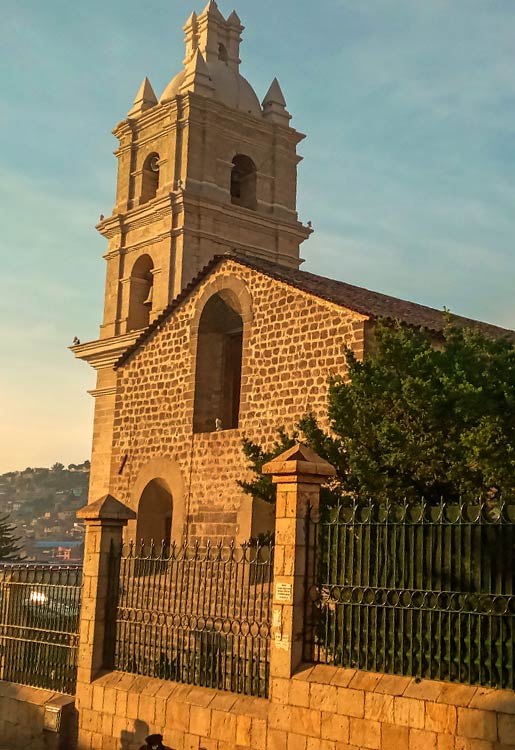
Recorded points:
104,521
298,473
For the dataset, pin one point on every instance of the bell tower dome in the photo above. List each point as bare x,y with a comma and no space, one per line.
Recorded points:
203,170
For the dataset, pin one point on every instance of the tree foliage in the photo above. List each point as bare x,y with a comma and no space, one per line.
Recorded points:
9,548
416,420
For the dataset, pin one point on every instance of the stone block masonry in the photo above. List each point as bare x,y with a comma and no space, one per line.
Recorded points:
22,718
319,708
309,707
292,343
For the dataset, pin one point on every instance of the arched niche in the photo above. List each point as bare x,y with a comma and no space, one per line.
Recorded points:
218,366
243,182
150,178
141,293
158,497
155,513
222,52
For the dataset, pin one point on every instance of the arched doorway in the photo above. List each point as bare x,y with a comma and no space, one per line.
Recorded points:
155,510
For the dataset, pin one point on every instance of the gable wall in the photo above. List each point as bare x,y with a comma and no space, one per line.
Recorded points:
292,343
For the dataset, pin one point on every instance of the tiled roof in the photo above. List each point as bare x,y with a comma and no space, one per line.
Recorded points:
363,301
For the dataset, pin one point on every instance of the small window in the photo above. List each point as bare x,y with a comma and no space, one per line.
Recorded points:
218,370
243,182
141,293
150,178
222,53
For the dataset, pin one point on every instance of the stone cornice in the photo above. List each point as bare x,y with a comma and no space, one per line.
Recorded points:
122,128
163,207
101,354
220,110
96,392
155,115
239,212
110,226
139,216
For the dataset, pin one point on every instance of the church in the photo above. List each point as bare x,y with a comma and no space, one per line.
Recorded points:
211,331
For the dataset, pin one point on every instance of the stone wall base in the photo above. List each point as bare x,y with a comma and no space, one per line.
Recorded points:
22,718
320,708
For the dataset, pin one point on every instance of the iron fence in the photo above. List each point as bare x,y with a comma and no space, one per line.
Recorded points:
39,625
414,590
199,615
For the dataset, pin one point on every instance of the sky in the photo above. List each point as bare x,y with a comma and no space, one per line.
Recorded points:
408,174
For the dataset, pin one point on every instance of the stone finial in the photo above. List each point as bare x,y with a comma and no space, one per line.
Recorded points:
145,98
234,21
190,39
197,77
274,105
106,508
212,11
302,461
191,22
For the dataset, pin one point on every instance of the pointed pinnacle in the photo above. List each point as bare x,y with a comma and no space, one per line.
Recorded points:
145,98
196,76
192,20
234,19
274,95
211,10
198,64
146,93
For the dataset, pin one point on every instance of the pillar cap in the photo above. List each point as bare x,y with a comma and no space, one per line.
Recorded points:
106,508
299,460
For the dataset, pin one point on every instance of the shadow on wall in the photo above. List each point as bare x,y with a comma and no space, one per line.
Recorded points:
135,739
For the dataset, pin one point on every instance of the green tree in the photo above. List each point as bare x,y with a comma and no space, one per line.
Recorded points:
416,420
9,548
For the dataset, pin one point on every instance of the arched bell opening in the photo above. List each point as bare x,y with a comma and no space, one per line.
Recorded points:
141,293
222,52
243,182
150,178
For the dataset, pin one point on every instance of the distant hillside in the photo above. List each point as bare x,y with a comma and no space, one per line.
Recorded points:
42,504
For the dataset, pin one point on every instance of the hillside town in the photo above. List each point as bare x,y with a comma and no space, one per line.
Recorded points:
41,503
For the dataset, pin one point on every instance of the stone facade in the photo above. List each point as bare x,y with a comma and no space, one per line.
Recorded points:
205,170
292,343
319,708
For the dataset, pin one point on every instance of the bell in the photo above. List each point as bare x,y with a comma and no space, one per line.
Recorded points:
149,298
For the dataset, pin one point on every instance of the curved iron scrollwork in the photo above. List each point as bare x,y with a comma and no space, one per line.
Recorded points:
195,613
421,590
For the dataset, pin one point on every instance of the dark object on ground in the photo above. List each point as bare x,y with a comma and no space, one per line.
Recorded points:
154,742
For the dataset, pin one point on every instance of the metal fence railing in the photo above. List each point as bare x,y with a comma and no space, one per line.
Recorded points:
199,615
414,590
39,625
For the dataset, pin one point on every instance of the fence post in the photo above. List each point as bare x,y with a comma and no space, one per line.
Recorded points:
104,521
298,473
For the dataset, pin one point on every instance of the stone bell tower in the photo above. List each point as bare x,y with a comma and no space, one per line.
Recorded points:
204,170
